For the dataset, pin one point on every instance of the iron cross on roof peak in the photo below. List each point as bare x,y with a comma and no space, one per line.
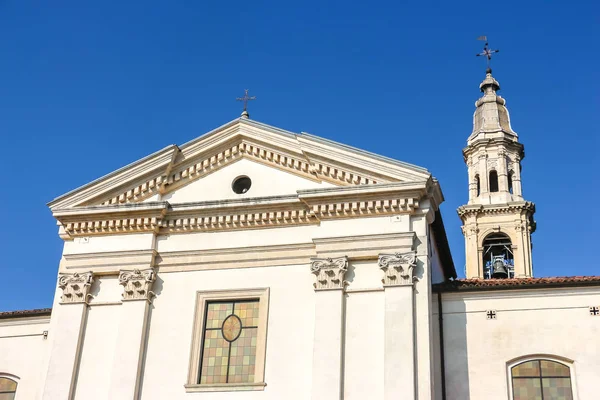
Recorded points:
487,53
245,99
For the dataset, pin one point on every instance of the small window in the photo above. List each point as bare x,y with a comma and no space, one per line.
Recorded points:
229,341
541,380
510,182
8,389
478,185
493,181
241,185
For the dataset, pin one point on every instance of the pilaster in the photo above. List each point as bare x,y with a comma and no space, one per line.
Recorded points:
131,340
68,336
329,319
399,336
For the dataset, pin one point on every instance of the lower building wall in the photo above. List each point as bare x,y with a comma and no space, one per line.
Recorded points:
23,354
554,323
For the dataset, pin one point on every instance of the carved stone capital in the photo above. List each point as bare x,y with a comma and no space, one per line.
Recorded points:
398,268
137,285
329,272
75,287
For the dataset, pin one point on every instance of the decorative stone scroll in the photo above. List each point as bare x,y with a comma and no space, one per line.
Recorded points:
75,287
137,284
398,268
329,272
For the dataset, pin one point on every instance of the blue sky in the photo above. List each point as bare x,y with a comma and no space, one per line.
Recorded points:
87,88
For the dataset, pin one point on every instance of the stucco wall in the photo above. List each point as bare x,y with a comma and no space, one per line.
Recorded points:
23,353
552,322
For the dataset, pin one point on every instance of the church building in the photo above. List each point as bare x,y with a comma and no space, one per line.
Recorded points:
257,263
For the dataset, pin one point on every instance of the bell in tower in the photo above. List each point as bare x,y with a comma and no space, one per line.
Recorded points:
497,221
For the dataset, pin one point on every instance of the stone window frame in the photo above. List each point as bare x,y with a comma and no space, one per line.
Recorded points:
533,357
202,298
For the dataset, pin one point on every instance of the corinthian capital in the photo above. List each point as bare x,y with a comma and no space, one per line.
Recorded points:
75,287
398,268
137,284
329,272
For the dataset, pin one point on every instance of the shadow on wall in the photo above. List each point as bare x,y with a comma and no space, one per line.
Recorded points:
456,351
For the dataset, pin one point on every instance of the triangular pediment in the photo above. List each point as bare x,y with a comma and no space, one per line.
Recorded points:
202,168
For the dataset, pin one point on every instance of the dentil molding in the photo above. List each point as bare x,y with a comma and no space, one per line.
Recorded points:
137,284
329,272
398,268
75,287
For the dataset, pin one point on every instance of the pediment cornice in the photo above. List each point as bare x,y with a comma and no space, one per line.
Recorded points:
304,155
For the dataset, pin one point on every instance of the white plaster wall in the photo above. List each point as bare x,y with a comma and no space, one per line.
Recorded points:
266,181
363,353
23,354
98,353
106,289
555,322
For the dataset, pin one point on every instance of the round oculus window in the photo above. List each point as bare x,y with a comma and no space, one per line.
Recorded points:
232,327
241,185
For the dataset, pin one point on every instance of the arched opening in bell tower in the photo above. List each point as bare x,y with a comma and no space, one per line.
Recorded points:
477,185
498,258
510,182
493,181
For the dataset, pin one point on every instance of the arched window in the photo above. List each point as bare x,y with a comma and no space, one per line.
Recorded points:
510,183
477,185
493,181
541,379
8,388
498,259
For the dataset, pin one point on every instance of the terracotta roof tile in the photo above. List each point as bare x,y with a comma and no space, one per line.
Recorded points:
38,312
515,283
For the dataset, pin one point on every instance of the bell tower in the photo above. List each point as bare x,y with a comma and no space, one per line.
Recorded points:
497,221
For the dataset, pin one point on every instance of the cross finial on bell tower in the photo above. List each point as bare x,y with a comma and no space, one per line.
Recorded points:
487,53
245,99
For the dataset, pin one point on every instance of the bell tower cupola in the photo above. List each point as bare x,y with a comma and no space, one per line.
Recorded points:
497,221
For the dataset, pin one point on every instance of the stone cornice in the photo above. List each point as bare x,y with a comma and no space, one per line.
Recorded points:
158,161
510,144
508,208
298,164
307,207
100,220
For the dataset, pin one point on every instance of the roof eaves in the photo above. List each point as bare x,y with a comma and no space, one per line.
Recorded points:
38,312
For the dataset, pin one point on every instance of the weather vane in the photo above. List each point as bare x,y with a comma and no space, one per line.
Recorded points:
487,52
245,99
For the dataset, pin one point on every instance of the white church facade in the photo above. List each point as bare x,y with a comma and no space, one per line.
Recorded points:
256,263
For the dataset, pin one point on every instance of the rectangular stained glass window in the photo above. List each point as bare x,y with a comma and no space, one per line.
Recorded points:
229,342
